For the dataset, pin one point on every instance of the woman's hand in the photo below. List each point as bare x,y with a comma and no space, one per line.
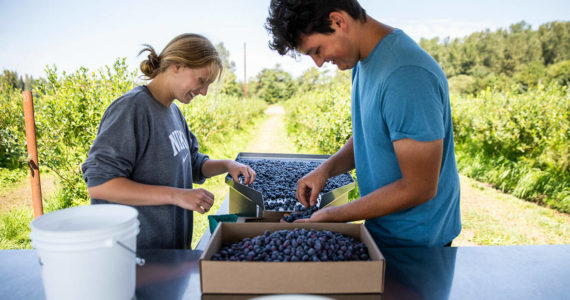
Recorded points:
199,200
235,169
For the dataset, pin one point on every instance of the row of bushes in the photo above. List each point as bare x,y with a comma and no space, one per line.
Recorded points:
319,121
516,141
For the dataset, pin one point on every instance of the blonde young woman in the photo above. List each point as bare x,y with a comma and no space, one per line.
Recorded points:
144,154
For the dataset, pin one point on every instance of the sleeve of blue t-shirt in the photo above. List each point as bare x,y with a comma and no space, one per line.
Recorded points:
412,105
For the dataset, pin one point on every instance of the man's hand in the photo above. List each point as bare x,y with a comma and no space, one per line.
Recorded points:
309,187
235,169
321,215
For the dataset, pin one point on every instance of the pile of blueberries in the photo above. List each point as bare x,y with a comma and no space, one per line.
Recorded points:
294,245
283,204
277,180
305,214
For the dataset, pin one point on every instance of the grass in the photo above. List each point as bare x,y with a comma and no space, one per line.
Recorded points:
517,178
491,217
9,177
14,229
15,226
15,215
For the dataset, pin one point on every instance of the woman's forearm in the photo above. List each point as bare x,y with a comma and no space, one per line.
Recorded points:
126,191
213,167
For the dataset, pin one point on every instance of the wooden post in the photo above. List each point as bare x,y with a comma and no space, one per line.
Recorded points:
33,154
244,74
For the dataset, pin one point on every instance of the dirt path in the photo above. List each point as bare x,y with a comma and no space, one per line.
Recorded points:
272,134
20,194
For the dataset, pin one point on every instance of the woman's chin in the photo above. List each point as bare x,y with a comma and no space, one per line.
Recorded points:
186,100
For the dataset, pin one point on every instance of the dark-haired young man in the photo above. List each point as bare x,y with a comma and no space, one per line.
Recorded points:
402,143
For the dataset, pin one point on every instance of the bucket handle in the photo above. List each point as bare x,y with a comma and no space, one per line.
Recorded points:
138,260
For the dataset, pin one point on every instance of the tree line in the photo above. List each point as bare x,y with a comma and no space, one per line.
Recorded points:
515,55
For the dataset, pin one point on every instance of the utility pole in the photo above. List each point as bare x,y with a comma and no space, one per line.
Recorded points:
244,73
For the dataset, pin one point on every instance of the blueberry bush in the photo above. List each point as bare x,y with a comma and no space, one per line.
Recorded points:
517,142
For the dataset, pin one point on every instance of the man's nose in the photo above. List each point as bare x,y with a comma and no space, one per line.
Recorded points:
318,60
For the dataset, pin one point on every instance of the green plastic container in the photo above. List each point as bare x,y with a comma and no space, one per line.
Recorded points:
216,219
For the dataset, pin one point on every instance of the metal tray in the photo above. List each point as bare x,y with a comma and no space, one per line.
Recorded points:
247,202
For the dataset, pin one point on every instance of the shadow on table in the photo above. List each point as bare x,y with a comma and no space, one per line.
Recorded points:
419,273
166,277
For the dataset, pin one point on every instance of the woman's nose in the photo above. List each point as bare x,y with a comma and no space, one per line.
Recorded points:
204,91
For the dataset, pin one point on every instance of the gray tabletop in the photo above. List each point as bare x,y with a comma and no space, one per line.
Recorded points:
484,272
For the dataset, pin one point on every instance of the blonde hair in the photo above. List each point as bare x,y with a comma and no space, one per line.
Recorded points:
188,50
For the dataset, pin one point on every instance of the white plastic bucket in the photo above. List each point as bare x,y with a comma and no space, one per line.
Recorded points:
88,252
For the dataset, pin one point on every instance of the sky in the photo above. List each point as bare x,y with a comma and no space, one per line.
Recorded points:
72,34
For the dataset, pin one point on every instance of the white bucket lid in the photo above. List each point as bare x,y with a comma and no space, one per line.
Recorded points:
84,223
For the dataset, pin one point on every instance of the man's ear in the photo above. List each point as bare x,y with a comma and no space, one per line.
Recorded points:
338,20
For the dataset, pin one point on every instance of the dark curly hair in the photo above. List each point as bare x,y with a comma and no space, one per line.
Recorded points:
290,18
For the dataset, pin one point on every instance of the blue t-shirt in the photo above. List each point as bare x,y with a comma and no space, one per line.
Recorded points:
399,92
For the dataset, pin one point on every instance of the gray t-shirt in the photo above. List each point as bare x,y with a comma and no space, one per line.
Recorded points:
142,140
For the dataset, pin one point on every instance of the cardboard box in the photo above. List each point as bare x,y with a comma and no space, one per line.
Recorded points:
303,296
271,218
345,277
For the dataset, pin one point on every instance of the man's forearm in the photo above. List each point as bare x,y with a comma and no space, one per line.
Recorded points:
341,162
389,199
419,164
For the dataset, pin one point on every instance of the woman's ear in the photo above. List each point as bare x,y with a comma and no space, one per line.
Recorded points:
175,68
